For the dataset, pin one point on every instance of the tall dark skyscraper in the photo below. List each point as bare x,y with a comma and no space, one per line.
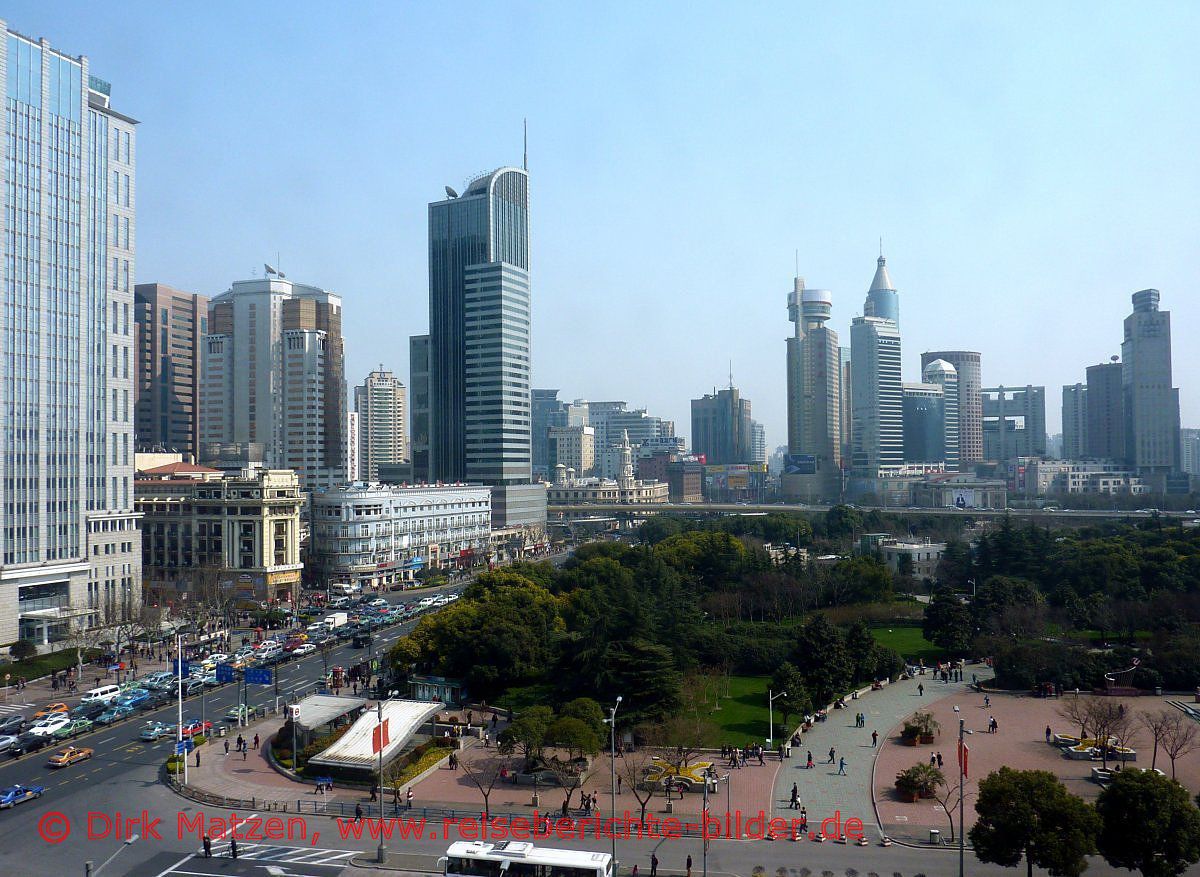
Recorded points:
170,327
1151,403
1105,412
721,427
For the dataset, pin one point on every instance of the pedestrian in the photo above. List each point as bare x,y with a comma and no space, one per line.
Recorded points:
239,742
243,752
939,761
374,792
1048,734
795,805
920,689
634,872
619,791
803,819
409,797
874,739
358,813
689,865
207,847
842,767
760,757
255,741
197,758
832,756
232,847
653,865
495,719
810,761
226,747
932,760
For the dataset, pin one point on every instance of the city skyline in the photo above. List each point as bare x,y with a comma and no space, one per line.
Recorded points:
1008,216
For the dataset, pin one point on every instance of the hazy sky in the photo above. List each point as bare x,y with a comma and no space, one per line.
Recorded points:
1028,169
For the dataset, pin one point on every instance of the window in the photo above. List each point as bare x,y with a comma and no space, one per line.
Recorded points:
125,232
125,200
115,277
125,275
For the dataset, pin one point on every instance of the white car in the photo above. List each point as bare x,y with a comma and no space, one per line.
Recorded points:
304,649
441,600
50,724
218,658
426,602
379,601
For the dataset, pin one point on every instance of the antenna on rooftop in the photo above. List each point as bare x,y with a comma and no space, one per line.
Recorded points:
525,152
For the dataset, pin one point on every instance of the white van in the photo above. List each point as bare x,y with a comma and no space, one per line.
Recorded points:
103,694
270,647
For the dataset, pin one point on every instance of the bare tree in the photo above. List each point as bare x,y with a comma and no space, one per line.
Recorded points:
1109,721
485,772
949,794
1156,724
1179,739
1075,710
571,774
632,768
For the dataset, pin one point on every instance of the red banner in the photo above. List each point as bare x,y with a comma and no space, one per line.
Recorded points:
964,753
379,737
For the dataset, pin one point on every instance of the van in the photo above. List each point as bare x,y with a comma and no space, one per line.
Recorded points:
341,602
103,694
270,647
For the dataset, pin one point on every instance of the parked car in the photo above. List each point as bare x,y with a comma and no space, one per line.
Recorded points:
192,686
12,724
154,731
192,727
88,710
73,728
379,601
156,699
14,795
52,709
29,742
134,698
50,724
114,713
70,755
6,742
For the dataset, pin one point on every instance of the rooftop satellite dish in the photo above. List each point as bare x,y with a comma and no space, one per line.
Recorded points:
269,269
450,193
1113,358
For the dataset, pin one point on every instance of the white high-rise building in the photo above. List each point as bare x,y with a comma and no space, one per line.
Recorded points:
353,470
274,373
381,403
70,550
944,374
1151,403
1074,421
878,397
814,377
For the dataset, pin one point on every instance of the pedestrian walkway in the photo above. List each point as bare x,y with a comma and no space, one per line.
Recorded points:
823,792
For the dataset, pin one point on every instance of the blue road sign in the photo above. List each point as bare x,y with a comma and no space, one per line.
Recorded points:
175,668
183,747
258,677
224,672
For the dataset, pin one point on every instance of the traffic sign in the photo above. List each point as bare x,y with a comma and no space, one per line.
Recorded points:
258,677
176,669
224,672
295,710
183,747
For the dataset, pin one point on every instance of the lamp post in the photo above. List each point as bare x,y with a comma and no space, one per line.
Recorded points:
704,817
89,871
381,853
612,727
771,698
962,773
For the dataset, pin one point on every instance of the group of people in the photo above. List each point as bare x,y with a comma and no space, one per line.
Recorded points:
241,744
737,758
860,720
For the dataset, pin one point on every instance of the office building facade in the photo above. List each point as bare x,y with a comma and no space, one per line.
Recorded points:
418,384
1014,422
1074,421
943,374
1151,403
814,373
1189,451
573,447
878,398
274,373
1105,412
542,404
381,403
968,366
924,424
70,549
171,326
721,427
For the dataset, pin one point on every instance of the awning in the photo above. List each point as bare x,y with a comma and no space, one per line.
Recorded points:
321,709
354,749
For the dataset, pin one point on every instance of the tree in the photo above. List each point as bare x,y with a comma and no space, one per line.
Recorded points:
528,731
1156,724
588,711
948,622
1150,824
827,668
949,793
787,678
1075,710
1179,739
631,768
485,772
22,649
1108,721
573,735
1030,814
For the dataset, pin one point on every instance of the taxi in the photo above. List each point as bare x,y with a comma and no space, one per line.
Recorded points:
53,709
69,756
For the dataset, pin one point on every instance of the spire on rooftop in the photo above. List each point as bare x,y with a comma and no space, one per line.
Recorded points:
882,279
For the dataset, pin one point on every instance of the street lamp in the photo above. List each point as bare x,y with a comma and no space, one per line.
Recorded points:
381,853
612,723
704,815
88,871
962,772
771,698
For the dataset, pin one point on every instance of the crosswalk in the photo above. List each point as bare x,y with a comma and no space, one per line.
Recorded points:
282,855
7,709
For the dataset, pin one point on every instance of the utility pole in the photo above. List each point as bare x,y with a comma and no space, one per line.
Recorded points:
381,853
612,722
771,698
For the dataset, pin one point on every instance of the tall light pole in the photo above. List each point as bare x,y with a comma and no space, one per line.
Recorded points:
612,727
704,817
89,871
381,853
771,698
962,789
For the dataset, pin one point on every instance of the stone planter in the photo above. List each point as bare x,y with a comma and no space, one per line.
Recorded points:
926,738
909,741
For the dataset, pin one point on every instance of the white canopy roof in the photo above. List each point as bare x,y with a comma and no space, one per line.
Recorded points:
355,748
321,709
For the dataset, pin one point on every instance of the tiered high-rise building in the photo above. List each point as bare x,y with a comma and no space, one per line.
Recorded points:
1151,403
1014,422
274,373
381,404
814,372
70,550
1074,421
170,327
970,402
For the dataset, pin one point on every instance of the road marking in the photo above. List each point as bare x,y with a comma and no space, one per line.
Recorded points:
182,861
107,739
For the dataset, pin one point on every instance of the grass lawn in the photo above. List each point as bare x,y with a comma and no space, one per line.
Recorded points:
742,717
908,641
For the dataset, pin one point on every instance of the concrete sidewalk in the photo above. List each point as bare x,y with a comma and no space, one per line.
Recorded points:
823,792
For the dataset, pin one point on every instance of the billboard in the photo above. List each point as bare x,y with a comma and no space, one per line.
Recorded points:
964,499
800,464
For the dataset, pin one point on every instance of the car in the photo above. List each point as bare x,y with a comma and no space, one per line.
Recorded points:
209,680
114,713
156,699
70,755
15,795
154,731
361,640
304,649
135,697
237,713
50,724
53,709
29,742
88,710
452,598
426,602
379,601
218,658
191,686
192,727
12,724
6,742
73,728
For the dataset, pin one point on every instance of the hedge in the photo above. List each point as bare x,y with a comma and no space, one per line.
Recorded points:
44,665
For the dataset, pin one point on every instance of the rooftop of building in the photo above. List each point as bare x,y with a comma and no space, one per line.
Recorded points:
177,470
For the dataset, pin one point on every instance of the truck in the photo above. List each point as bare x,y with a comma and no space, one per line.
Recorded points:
334,620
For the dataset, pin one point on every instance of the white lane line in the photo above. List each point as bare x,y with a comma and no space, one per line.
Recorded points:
182,861
107,739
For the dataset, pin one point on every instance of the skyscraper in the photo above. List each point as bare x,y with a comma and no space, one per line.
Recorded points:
70,550
542,403
418,383
970,402
814,366
882,299
1014,422
924,423
1074,421
877,396
479,343
274,372
721,427
381,403
758,442
170,326
944,374
1151,403
1105,412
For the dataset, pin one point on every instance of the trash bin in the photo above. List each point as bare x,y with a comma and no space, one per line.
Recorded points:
222,731
935,836
1158,691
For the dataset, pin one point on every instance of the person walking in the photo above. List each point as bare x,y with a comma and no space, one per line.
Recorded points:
207,847
932,760
874,739
939,761
809,766
197,758
987,701
795,805
1048,734
232,847
653,865
408,797
832,756
358,812
374,792
256,741
244,751
803,819
619,791
920,689
634,872
226,747
689,865
842,767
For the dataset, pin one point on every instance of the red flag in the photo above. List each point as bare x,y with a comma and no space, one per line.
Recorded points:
964,753
379,737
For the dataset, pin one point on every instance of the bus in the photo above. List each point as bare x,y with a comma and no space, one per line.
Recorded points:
520,859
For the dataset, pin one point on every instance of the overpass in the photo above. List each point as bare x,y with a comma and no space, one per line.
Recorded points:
641,510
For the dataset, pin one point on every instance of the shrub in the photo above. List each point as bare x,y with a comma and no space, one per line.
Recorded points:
22,649
199,739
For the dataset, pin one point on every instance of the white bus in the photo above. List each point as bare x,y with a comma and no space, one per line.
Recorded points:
519,859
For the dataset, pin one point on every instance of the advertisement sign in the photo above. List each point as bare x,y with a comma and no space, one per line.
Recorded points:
800,464
964,499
